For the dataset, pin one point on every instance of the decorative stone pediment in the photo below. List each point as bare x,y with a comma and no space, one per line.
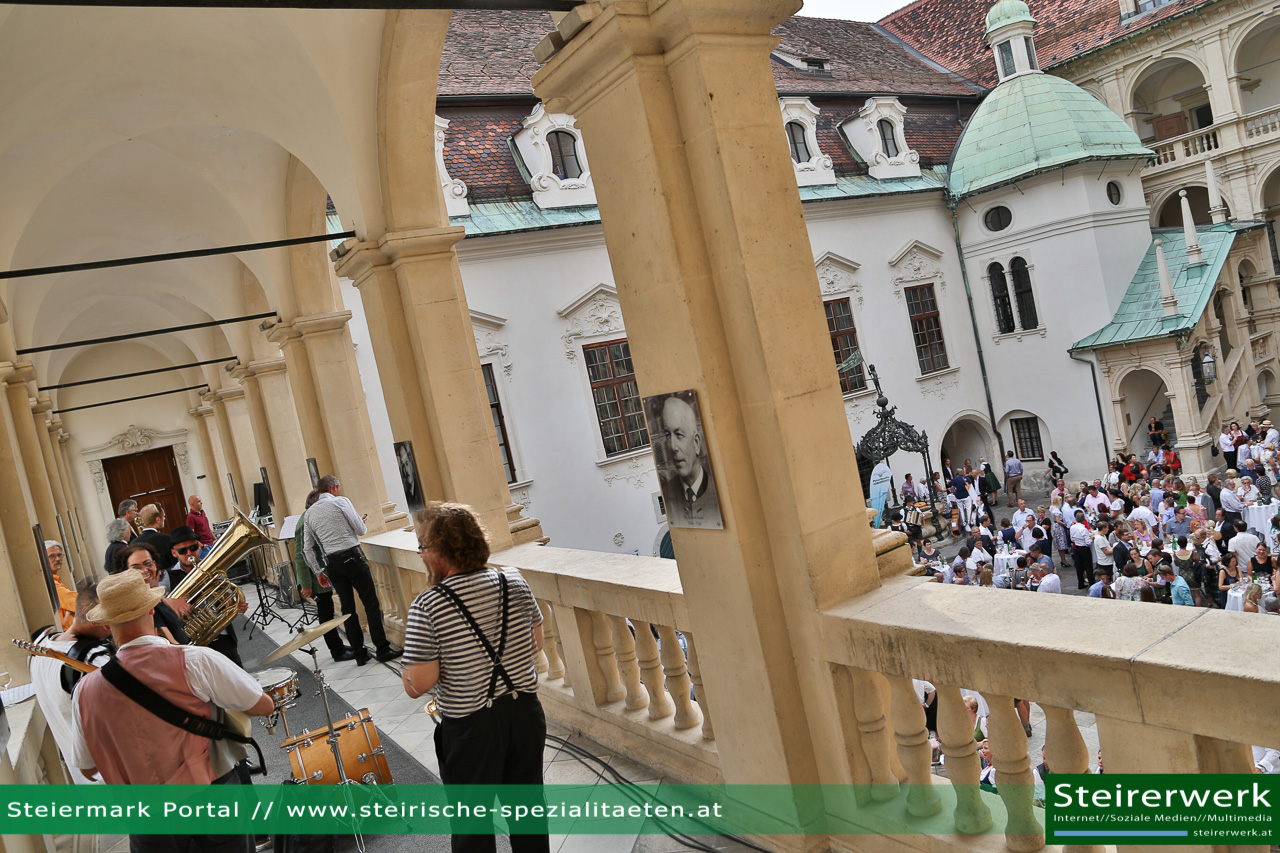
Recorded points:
917,263
838,276
133,440
595,313
488,341
455,190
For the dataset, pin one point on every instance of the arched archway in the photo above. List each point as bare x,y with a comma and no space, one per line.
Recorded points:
1266,385
1169,98
1169,214
1144,396
968,437
1258,80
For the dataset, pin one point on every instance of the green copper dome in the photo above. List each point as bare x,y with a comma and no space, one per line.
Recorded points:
1008,12
1033,123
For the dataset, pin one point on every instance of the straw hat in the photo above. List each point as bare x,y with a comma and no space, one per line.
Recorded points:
123,598
1267,424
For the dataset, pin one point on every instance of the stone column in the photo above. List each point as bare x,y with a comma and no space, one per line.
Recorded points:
63,534
17,514
248,378
29,444
218,401
715,275
333,412
286,433
425,346
1193,443
75,502
215,492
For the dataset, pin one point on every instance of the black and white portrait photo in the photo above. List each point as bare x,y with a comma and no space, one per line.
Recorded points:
314,471
408,466
680,455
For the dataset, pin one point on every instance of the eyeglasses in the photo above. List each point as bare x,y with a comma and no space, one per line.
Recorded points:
187,550
148,565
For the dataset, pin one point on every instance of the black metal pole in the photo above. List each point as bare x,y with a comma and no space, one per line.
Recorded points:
152,333
172,256
138,373
131,399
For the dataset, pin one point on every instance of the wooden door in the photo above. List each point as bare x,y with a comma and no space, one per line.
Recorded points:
1167,127
149,477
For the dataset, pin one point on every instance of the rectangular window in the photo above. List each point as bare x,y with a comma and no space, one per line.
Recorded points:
1026,439
844,342
926,329
616,397
499,423
1005,49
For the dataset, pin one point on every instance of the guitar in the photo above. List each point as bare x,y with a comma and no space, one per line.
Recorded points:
237,721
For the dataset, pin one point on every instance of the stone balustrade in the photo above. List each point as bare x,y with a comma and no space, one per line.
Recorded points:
1180,149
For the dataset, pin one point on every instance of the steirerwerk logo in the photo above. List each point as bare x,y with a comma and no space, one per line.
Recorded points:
1163,809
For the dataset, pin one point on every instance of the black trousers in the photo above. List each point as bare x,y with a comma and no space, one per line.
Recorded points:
1084,565
198,843
324,612
1229,457
350,575
229,645
499,745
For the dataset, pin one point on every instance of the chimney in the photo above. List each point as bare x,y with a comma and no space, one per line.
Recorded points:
1217,209
1194,255
1167,299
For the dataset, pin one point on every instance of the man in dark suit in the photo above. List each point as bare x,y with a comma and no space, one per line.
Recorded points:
151,517
1225,528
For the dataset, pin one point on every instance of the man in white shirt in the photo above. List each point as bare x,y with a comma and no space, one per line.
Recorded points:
1272,436
1050,582
1021,514
1229,502
1096,499
1244,545
1102,548
53,692
1082,550
1143,511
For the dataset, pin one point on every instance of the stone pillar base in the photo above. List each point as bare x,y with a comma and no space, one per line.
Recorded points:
524,529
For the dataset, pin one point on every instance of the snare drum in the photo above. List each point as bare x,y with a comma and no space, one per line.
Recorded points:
280,683
312,762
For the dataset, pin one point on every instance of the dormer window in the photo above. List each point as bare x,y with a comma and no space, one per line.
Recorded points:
799,147
815,66
564,154
800,121
877,134
554,160
888,144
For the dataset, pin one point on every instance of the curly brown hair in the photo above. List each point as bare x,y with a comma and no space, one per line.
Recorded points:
120,560
455,533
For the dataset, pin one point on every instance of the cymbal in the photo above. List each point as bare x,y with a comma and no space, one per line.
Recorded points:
305,639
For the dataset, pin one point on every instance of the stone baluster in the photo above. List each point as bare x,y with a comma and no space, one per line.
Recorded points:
1065,752
868,707
624,646
955,731
913,747
1014,780
602,639
679,685
551,645
660,704
700,693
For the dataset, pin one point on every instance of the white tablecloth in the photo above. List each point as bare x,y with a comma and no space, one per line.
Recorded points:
1005,563
1258,517
1235,598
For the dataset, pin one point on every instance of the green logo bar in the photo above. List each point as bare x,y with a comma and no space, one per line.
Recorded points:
1163,809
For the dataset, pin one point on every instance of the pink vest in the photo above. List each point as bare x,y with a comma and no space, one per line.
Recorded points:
129,744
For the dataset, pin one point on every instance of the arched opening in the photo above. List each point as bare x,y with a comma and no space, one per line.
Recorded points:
1170,99
1257,77
888,139
796,139
1269,202
1265,383
1000,299
1145,396
1170,215
967,438
564,154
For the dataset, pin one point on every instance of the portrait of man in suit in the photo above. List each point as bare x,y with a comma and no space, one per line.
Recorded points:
408,466
680,454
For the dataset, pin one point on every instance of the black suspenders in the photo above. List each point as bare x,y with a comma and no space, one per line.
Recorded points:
494,655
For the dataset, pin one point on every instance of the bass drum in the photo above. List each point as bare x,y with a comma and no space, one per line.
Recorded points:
363,760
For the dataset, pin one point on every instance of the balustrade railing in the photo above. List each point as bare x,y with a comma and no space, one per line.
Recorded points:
1185,147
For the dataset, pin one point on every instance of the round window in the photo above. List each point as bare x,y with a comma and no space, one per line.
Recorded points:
998,218
1113,192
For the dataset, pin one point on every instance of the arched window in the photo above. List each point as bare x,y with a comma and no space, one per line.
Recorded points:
1000,297
1022,295
888,142
799,147
564,154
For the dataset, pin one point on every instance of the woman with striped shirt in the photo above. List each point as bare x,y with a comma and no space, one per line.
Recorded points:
473,634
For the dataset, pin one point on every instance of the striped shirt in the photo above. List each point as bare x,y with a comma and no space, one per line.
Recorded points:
436,631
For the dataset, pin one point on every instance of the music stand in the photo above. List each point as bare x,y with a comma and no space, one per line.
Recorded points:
264,613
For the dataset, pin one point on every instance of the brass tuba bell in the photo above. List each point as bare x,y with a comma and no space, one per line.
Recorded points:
214,599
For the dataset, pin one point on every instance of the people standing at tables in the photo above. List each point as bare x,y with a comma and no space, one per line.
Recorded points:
1121,548
1248,492
1179,590
1142,534
1179,525
1101,578
1224,529
1228,576
1129,584
1048,580
1229,501
1244,544
1095,500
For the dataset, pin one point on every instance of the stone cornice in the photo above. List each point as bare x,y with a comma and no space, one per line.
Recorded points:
283,334
42,404
202,411
267,366
319,323
359,260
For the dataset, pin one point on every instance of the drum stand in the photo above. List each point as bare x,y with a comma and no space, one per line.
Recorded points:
328,715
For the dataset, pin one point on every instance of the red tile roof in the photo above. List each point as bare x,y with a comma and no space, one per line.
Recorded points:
476,149
491,53
950,32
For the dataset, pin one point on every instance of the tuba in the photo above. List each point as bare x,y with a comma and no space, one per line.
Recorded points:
214,599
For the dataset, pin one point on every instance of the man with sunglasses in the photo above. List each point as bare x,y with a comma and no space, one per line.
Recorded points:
185,544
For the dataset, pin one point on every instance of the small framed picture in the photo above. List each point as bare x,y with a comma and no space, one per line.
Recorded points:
408,466
684,466
314,471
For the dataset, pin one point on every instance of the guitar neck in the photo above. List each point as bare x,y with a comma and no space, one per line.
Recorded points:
66,660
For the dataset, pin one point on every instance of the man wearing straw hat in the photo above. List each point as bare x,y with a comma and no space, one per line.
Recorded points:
127,744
